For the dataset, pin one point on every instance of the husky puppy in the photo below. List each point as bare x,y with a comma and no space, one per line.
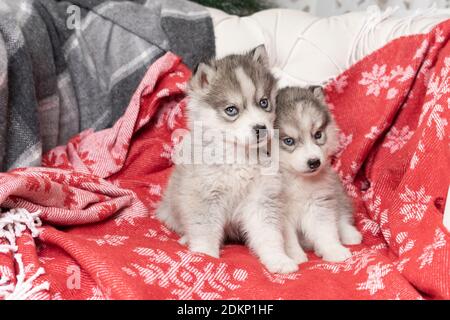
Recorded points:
317,210
206,203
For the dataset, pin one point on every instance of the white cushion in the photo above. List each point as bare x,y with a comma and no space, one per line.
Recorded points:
305,49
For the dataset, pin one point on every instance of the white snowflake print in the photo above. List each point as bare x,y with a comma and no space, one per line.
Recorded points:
440,122
428,253
374,205
415,157
421,50
414,204
170,115
280,278
405,243
439,35
162,234
414,161
343,142
182,86
371,226
400,265
176,74
154,189
392,93
347,182
401,74
438,86
378,79
375,80
167,151
374,281
384,225
188,274
396,139
374,131
129,272
357,262
111,240
339,84
163,93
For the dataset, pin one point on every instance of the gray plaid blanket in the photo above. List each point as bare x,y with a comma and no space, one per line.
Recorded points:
66,66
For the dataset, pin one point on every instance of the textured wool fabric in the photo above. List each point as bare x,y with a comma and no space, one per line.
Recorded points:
97,194
66,66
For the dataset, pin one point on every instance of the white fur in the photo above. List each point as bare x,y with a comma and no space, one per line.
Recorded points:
315,213
318,213
206,203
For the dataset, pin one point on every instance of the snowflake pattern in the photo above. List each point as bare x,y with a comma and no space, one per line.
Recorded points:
280,278
375,80
339,84
187,277
378,80
396,139
170,115
357,262
374,281
111,240
415,204
426,258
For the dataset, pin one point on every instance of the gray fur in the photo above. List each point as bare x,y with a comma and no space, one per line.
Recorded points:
316,206
207,203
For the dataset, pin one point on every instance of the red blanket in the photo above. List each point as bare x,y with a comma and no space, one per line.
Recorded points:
96,197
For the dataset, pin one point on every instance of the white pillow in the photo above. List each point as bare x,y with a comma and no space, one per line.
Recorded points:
305,49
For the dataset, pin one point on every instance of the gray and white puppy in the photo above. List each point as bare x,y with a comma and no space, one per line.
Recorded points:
205,203
317,209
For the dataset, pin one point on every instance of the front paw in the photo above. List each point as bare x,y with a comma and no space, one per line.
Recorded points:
351,236
281,264
299,256
336,254
205,249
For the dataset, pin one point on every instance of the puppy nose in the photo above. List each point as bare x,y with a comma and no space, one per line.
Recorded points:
260,130
314,163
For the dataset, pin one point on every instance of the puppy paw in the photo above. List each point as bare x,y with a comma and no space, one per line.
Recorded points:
281,264
297,255
350,236
205,250
336,254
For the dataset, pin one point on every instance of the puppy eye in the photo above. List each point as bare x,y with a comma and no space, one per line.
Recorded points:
318,135
231,111
288,141
264,103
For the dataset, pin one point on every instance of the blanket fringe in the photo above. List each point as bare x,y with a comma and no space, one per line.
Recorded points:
360,45
12,225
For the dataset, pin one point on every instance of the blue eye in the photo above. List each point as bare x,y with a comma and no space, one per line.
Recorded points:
264,103
231,111
288,141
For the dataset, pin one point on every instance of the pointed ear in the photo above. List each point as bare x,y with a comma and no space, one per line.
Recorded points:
203,75
259,54
318,92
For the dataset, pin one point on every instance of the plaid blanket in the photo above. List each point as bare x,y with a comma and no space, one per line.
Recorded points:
66,66
82,226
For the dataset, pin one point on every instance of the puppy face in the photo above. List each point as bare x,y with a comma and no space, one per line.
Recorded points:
306,129
236,95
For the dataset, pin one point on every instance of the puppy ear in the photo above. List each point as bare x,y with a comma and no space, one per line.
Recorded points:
259,54
318,92
203,76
